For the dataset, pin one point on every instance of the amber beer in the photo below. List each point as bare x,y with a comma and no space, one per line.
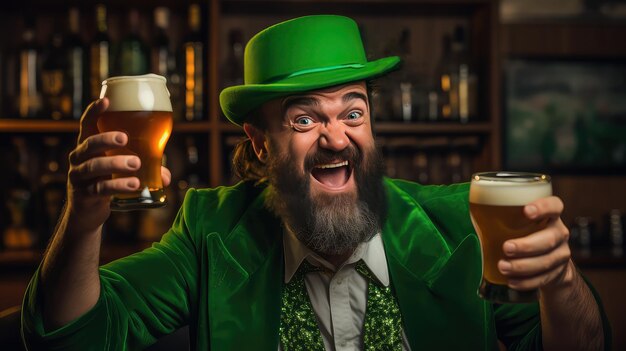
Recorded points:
497,201
139,106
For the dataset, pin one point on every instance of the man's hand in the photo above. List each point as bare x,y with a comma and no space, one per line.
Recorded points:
570,317
90,182
543,259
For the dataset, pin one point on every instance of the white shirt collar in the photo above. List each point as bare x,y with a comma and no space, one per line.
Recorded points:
371,252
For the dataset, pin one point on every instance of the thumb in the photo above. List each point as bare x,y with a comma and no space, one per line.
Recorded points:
89,119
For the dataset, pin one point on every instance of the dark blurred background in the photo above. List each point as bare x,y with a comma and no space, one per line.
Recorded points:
535,85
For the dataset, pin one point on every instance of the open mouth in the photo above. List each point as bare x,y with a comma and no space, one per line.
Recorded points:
332,175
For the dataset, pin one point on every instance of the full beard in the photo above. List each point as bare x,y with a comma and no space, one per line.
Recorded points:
329,224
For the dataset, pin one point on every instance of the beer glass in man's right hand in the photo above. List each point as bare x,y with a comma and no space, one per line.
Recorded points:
139,106
497,201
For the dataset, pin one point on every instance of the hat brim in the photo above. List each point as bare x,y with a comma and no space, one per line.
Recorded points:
238,101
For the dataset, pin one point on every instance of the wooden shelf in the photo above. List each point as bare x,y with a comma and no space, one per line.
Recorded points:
38,126
432,128
352,7
51,126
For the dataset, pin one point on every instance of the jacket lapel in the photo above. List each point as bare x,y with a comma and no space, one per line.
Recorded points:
245,282
435,284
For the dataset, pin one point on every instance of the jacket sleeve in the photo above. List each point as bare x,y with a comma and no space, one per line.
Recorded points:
142,297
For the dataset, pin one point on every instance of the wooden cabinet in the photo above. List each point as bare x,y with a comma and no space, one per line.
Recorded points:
476,142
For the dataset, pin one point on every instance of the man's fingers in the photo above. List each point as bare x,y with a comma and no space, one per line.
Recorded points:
537,243
548,207
108,187
103,167
538,281
166,175
89,119
96,145
532,266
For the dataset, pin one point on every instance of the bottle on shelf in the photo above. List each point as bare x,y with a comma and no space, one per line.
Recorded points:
404,98
193,174
52,185
458,79
163,61
100,53
193,48
77,65
616,232
132,58
233,66
56,93
28,89
19,233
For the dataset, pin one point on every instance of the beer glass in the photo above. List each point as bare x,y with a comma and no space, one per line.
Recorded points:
497,201
140,107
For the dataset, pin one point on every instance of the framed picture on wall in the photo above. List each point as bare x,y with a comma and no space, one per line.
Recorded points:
565,116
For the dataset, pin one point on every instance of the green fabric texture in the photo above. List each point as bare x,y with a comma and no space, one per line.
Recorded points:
302,54
298,324
383,320
220,270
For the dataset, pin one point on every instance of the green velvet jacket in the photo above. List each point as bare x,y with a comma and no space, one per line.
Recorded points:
220,269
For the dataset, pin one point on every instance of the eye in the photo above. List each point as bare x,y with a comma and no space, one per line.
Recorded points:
303,121
354,115
354,118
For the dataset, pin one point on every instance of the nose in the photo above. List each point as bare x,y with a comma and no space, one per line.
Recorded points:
333,137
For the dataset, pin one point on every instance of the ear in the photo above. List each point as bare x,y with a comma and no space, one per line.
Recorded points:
257,137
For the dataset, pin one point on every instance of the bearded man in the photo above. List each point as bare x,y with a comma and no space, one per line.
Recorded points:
314,249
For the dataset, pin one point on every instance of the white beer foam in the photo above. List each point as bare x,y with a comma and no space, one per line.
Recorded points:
488,192
136,93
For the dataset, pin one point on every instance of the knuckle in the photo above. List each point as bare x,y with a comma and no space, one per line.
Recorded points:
555,238
73,156
117,163
565,232
89,166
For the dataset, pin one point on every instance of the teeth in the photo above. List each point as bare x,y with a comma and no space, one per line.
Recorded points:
333,165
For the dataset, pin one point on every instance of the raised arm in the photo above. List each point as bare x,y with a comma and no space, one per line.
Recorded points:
70,282
570,316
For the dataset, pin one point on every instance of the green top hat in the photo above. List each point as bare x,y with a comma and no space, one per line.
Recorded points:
302,54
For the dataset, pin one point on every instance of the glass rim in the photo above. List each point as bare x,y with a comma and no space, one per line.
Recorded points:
138,78
512,177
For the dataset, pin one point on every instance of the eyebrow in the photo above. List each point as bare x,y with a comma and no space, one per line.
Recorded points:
354,95
311,101
299,101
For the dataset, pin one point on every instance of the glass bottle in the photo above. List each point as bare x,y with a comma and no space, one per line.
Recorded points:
29,101
163,62
458,79
133,54
19,234
193,48
193,174
52,184
100,53
233,67
77,65
57,98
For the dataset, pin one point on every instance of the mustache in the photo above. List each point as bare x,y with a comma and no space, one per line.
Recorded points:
351,153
